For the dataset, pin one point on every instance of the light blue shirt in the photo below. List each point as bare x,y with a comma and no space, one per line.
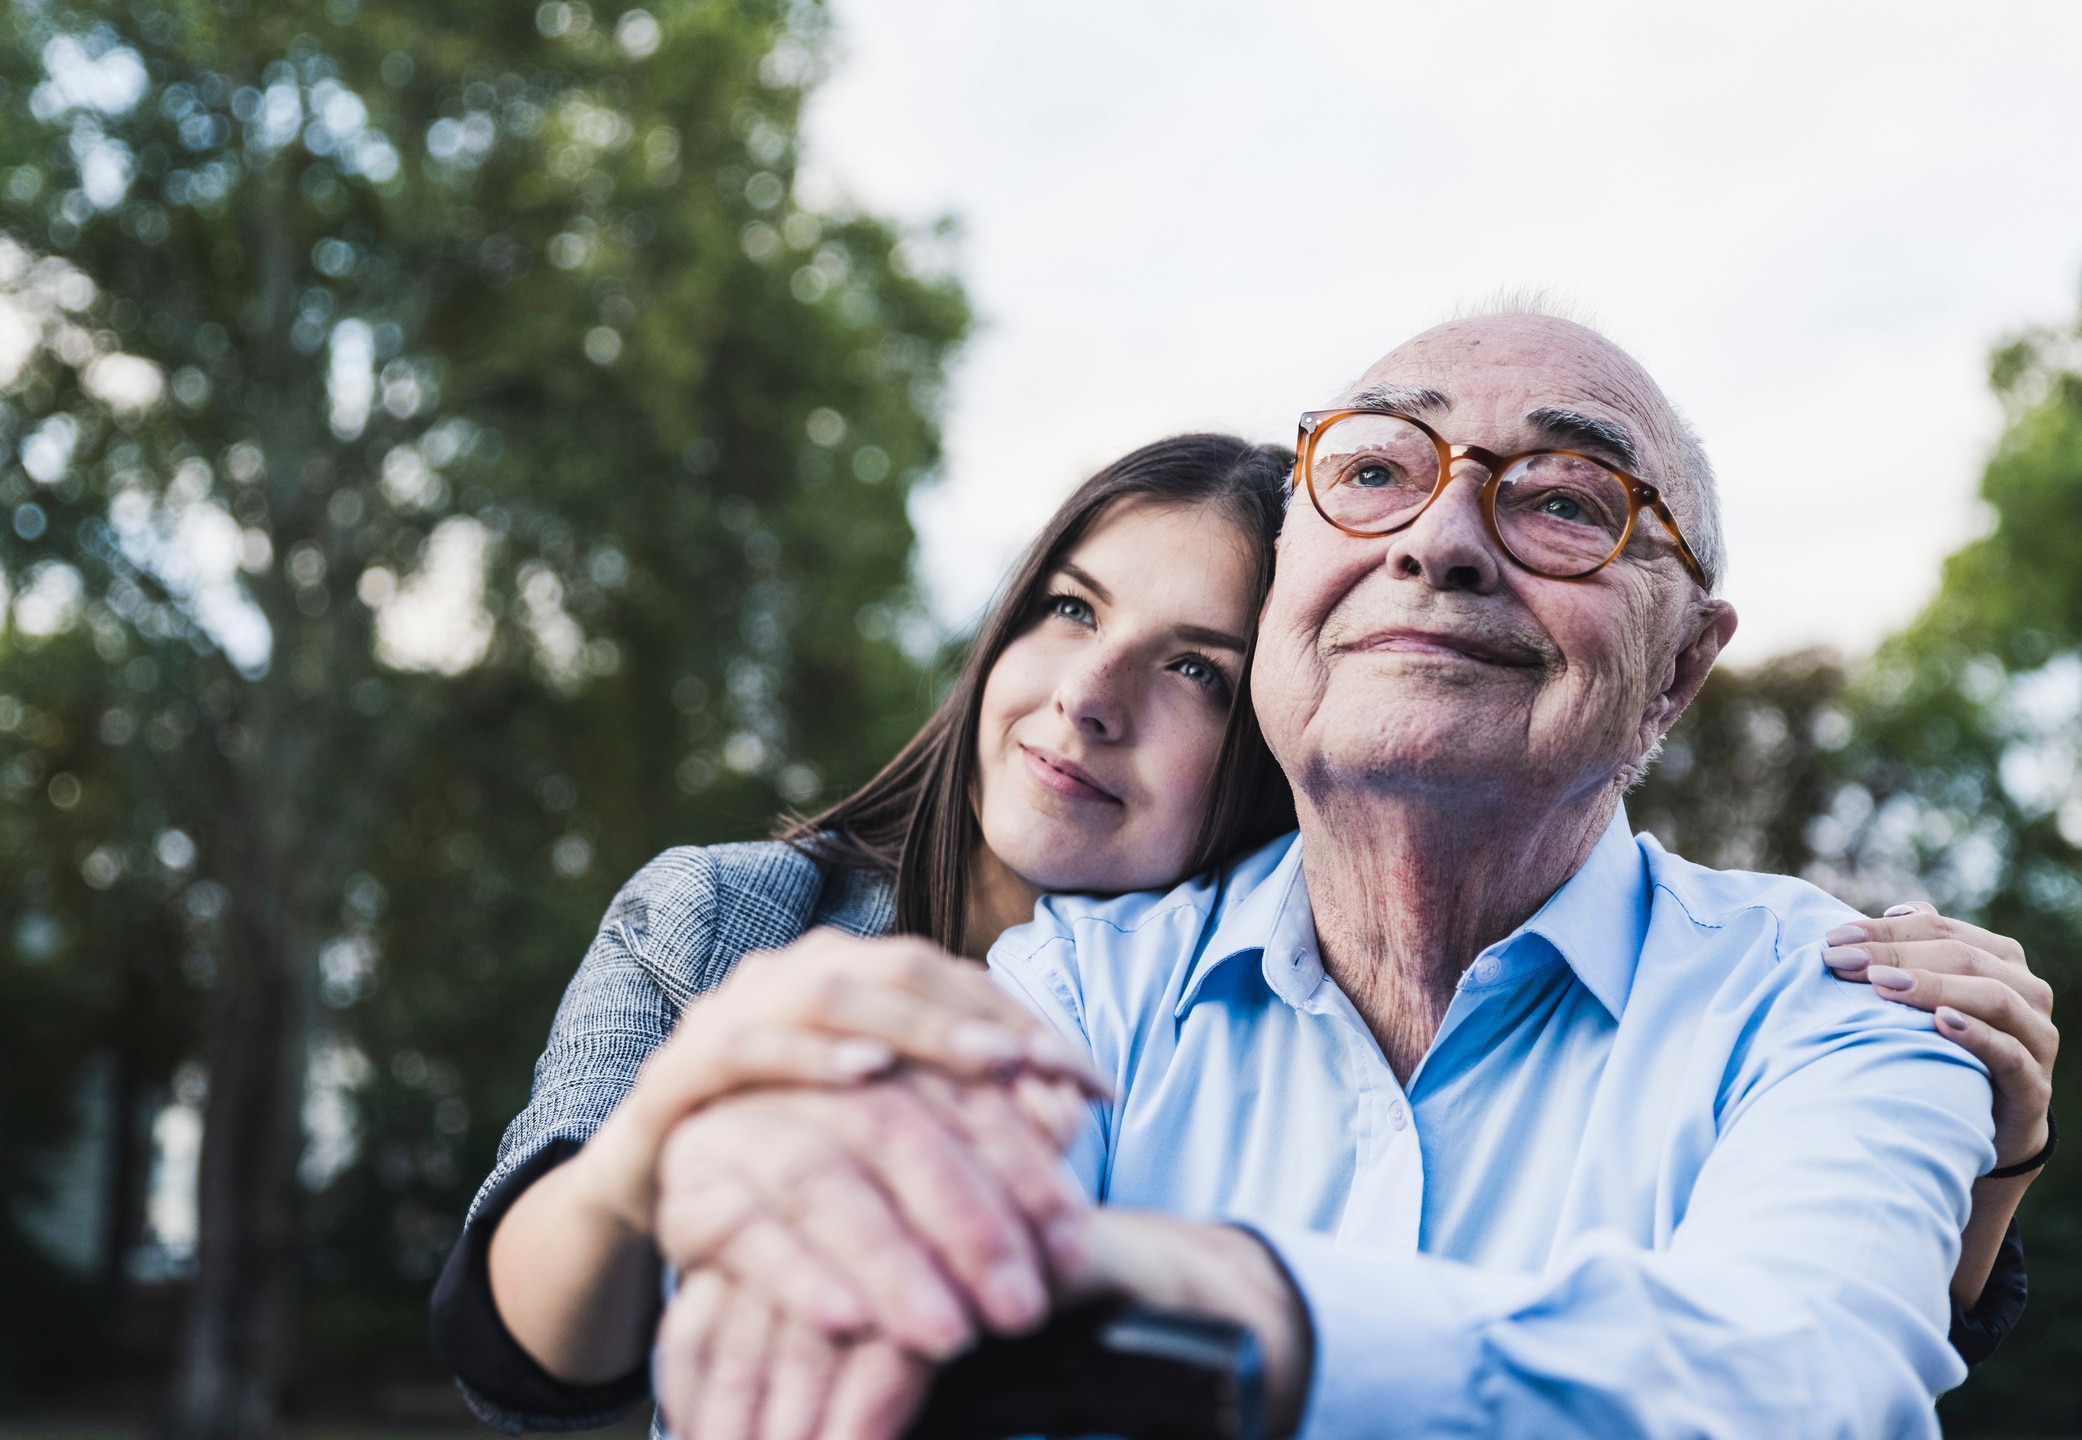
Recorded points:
1660,1173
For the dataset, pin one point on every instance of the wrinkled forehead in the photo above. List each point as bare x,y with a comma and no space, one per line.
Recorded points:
1518,382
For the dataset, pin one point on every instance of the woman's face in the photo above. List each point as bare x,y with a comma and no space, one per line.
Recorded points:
1101,721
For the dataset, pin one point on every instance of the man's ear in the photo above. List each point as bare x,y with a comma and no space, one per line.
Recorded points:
1713,625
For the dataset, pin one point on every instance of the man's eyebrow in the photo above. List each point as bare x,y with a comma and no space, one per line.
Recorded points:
1586,432
1408,399
1084,578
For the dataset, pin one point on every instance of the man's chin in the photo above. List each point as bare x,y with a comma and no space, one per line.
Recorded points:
1445,732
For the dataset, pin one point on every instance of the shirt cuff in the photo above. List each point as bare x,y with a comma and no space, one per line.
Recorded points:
1398,1339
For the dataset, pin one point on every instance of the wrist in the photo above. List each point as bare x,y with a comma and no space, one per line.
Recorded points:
1213,1269
614,1174
2010,1150
2029,1156
619,1174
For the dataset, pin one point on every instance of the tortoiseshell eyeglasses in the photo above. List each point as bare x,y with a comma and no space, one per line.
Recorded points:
1558,513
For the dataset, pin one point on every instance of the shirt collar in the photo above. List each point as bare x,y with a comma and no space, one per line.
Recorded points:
1597,922
1271,919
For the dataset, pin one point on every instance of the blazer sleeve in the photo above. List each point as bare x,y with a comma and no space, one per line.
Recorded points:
1976,1332
620,1006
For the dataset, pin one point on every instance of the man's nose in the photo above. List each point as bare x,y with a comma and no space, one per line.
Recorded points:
1449,546
1092,695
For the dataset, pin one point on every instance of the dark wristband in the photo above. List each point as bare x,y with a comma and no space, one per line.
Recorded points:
2025,1167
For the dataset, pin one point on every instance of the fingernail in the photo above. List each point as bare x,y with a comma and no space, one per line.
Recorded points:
1045,1047
942,1325
1886,977
1846,957
861,1057
981,1041
840,1309
1847,935
1894,910
1065,1241
1951,1019
1050,1051
1013,1295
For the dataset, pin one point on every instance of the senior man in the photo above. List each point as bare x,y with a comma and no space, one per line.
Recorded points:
1486,1115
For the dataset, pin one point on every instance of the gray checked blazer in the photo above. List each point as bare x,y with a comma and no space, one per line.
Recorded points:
674,932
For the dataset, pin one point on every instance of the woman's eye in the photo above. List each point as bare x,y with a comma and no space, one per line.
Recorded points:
1071,608
1203,672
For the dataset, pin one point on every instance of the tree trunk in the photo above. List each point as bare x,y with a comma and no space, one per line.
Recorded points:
233,1352
121,1199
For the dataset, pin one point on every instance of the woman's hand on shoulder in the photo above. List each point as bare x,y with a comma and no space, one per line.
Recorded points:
1986,999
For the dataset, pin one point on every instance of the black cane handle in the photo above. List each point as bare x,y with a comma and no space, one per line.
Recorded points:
1106,1367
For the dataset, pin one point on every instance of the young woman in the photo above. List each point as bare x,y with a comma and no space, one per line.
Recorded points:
1098,739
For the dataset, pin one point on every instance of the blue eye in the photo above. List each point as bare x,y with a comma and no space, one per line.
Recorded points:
1203,672
1070,607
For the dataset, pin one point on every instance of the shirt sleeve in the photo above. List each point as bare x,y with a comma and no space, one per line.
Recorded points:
1801,1291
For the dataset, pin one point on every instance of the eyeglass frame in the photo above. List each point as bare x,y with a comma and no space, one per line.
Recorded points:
1640,494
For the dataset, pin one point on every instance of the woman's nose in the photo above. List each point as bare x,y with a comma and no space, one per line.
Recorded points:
1091,695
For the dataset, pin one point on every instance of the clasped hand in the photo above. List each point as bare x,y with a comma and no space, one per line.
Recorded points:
834,1243
855,1220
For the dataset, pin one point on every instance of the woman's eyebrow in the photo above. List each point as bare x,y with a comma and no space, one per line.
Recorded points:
1083,577
1218,639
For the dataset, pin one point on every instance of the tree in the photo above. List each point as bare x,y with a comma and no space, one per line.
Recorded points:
452,462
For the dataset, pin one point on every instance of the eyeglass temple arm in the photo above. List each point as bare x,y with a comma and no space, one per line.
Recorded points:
1661,507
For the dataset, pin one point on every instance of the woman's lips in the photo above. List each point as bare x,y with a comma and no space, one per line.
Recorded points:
1065,776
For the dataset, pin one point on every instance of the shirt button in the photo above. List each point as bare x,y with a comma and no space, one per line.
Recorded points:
1398,1116
1488,968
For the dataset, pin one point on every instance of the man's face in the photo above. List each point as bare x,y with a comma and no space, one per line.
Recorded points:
1426,662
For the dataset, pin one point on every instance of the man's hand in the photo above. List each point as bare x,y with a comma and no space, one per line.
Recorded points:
731,1366
1204,1268
915,1207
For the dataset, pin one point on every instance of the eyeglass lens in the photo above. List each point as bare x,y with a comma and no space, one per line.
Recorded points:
1559,515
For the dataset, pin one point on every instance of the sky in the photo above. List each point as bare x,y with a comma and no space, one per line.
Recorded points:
1810,221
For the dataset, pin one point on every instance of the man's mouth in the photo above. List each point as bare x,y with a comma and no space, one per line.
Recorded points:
1065,776
1446,645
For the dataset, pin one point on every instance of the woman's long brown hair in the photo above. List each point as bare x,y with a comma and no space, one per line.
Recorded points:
916,820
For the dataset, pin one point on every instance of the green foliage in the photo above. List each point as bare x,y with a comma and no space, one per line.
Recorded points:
449,463
1948,766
